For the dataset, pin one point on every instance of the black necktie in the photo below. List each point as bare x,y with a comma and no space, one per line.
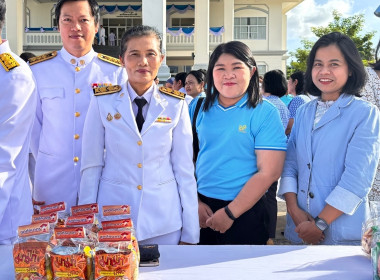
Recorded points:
139,117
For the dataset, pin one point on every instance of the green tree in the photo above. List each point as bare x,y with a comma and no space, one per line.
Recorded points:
351,26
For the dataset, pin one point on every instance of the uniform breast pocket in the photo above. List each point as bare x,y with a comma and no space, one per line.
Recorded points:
52,100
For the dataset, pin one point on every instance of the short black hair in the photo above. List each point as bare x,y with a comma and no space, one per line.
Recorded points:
181,76
3,9
93,6
198,75
136,32
357,78
242,52
26,55
300,77
274,82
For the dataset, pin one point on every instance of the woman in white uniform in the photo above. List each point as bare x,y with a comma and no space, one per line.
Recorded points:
146,133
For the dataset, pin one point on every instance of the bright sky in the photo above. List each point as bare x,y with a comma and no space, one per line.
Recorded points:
319,13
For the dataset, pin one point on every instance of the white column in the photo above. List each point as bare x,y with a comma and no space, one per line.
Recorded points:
15,25
201,34
228,20
154,14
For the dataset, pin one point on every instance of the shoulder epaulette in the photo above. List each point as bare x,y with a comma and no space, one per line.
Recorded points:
172,92
109,59
40,58
8,62
106,90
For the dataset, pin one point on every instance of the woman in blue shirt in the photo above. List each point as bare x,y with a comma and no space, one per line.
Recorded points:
333,149
241,150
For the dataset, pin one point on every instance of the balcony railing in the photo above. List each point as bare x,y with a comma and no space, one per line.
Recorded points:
53,39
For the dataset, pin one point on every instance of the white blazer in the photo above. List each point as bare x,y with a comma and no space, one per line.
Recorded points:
153,171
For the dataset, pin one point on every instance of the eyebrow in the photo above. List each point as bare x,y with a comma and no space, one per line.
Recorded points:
235,63
331,60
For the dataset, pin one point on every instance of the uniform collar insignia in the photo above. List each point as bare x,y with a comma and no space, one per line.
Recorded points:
172,92
41,58
103,90
8,62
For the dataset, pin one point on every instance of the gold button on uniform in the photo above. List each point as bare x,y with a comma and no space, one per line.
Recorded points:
76,159
77,90
139,187
82,62
77,69
73,61
77,114
76,136
139,143
139,165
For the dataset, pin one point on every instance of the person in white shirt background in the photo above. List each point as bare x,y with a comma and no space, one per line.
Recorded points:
17,109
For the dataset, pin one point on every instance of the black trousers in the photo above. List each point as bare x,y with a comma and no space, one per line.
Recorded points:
271,205
249,229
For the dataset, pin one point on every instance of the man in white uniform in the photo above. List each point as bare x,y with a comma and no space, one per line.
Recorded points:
112,38
102,36
17,110
65,82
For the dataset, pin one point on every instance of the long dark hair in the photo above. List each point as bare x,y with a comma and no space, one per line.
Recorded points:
347,47
242,52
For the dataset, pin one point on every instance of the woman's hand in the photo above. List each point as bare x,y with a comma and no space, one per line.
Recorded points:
310,233
299,216
219,221
204,212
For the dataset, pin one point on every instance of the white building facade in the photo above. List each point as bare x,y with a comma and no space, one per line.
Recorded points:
192,29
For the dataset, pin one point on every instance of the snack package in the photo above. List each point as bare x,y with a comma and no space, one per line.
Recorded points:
117,217
59,208
370,228
71,257
29,252
115,258
115,212
375,253
85,209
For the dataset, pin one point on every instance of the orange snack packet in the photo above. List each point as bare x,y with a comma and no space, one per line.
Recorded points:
114,258
29,253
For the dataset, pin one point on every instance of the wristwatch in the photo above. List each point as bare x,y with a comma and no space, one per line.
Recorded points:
321,224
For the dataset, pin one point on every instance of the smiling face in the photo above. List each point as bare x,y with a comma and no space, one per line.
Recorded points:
142,59
77,27
231,79
330,72
192,87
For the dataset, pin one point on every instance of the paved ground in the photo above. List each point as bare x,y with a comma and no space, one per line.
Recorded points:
281,221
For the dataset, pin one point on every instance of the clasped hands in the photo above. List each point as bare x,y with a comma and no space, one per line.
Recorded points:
306,228
218,221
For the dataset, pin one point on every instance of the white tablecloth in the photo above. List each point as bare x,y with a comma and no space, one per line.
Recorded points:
260,262
246,262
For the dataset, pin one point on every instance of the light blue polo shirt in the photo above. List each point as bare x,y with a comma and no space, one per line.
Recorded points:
228,138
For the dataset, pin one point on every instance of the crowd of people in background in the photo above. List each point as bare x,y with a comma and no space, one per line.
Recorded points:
132,144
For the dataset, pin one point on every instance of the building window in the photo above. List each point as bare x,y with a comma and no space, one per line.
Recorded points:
250,28
173,69
4,31
182,22
262,69
187,68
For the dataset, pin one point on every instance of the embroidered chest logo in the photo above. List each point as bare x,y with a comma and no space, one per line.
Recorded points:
243,128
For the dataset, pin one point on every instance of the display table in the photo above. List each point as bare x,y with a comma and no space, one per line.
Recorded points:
245,262
260,262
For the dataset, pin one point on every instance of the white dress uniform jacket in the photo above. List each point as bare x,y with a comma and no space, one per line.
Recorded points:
64,85
17,110
152,172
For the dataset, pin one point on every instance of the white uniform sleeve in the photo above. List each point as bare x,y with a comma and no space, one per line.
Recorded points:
92,154
182,161
17,109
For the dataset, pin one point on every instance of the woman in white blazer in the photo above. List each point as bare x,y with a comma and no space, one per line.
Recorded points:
142,157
